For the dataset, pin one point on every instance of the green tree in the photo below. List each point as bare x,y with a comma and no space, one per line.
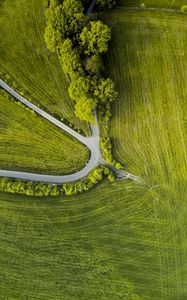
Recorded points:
84,109
95,37
73,13
70,59
94,65
105,90
79,87
63,21
55,31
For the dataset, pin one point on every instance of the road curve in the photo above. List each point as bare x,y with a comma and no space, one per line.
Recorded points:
91,142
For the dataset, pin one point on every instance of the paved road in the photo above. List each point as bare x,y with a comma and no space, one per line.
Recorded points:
91,142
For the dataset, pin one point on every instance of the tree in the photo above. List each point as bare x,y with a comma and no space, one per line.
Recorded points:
95,37
105,90
79,87
70,59
84,109
73,13
94,65
55,32
63,21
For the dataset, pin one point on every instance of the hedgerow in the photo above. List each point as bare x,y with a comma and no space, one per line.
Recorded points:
44,189
80,44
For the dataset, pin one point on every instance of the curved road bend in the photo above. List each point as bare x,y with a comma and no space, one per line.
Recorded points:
91,142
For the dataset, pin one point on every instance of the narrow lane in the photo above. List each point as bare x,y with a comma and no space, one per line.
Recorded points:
91,142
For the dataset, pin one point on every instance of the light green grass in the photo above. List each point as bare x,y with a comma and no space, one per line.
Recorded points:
148,59
174,4
30,143
92,245
24,56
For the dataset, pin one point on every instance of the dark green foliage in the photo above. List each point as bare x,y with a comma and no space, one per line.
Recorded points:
106,3
95,37
94,65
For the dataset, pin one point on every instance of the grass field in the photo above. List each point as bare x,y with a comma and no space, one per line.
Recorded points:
174,4
114,242
30,143
122,240
149,64
23,55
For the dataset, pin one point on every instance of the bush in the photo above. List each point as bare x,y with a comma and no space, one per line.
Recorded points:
142,5
44,189
184,8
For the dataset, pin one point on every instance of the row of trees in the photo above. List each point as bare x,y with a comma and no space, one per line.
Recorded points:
44,189
80,48
80,44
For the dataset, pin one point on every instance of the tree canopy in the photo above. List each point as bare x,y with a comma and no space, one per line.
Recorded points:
95,37
94,65
63,21
70,59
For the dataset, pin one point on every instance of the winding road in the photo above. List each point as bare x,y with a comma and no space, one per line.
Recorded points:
91,142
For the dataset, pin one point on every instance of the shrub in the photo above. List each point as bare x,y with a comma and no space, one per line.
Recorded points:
142,5
184,8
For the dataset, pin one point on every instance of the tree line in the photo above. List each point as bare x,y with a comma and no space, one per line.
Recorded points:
32,188
80,43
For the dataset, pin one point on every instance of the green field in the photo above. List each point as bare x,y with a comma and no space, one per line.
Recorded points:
30,143
122,240
110,243
25,58
174,4
150,67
